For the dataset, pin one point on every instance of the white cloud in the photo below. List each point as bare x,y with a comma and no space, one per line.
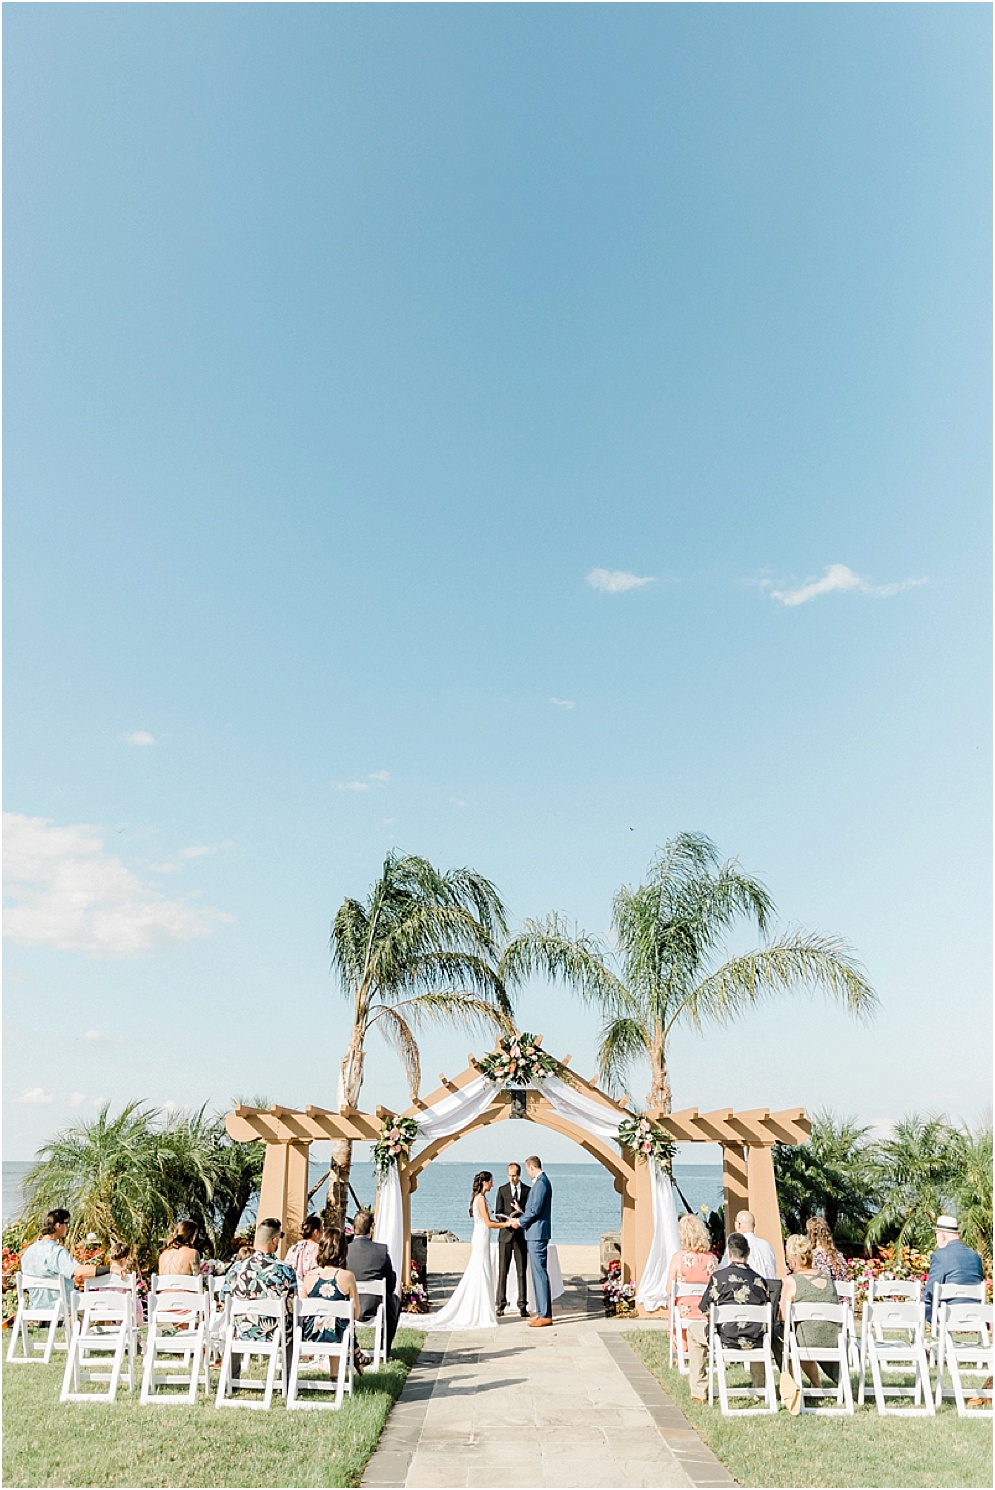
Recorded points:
837,577
457,801
138,737
202,850
91,1034
351,786
76,1099
381,776
563,703
34,1094
616,581
65,890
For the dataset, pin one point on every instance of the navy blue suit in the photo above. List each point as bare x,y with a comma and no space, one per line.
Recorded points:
954,1263
536,1222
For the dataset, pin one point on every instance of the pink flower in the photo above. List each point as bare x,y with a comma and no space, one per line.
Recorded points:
644,1126
647,1147
394,1135
515,1051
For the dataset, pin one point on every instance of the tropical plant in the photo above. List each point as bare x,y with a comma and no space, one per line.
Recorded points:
973,1190
831,1175
917,1172
423,948
131,1177
668,933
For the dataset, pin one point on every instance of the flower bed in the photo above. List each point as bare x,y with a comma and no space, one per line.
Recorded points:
618,1297
414,1298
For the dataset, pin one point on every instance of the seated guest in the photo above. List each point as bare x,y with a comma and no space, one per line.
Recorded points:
370,1261
735,1284
303,1255
48,1257
180,1257
694,1263
261,1275
762,1258
331,1279
123,1262
825,1258
952,1262
808,1285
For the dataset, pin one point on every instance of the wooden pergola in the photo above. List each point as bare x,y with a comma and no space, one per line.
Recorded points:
746,1139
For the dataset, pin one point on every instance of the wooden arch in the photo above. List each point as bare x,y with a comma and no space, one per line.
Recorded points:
746,1138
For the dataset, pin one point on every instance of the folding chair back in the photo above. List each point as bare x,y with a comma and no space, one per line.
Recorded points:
965,1346
798,1352
678,1324
55,1313
322,1315
893,1339
846,1292
269,1314
893,1288
720,1356
376,1288
175,1347
103,1335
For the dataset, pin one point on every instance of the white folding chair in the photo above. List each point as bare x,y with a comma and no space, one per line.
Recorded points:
56,1313
951,1293
103,1335
678,1324
376,1288
720,1356
175,1348
217,1319
893,1339
323,1313
846,1292
796,1352
879,1289
271,1315
974,1355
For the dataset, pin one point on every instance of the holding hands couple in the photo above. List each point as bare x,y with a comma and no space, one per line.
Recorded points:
523,1219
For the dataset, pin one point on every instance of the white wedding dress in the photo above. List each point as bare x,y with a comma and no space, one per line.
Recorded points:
472,1305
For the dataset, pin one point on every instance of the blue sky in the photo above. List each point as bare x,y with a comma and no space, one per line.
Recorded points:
344,345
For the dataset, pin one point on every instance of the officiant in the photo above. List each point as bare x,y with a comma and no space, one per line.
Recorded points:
511,1200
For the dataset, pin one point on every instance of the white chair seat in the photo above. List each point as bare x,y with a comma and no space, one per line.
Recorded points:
271,1315
324,1313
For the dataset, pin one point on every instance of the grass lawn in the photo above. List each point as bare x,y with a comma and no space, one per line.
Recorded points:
46,1442
863,1450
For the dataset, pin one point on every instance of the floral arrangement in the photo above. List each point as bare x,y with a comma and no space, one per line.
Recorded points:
396,1137
649,1140
11,1265
889,1264
414,1298
517,1060
618,1297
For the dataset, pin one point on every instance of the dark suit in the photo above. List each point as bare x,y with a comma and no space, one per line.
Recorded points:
511,1244
370,1261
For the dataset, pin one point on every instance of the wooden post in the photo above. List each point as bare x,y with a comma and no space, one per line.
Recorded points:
283,1192
628,1239
406,1187
763,1200
734,1183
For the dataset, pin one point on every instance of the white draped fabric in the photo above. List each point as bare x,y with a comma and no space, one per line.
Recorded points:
451,1114
457,1110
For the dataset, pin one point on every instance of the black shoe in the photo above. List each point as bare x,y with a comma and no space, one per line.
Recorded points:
524,1313
500,1309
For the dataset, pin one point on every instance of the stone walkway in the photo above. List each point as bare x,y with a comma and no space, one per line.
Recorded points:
570,1406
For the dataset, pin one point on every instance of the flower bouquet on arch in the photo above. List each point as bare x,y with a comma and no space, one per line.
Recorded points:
647,1140
397,1134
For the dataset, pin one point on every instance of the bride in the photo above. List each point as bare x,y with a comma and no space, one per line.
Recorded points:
472,1305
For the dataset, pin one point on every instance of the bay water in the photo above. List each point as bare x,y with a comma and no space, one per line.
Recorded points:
584,1200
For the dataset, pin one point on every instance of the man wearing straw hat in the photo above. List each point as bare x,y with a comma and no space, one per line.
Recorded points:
952,1262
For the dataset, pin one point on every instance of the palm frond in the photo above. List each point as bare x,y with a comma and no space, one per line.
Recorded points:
795,962
548,948
622,1042
397,1033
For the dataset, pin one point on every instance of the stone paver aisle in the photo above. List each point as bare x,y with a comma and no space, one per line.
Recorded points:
569,1406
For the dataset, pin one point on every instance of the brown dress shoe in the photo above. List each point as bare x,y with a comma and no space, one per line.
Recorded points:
538,1323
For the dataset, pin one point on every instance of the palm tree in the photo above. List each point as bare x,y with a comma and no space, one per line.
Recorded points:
830,1175
668,934
973,1189
918,1171
423,948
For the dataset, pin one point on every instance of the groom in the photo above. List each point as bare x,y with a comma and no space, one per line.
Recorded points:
535,1222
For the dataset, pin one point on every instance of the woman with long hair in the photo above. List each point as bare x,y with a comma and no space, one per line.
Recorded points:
180,1257
825,1257
330,1279
472,1306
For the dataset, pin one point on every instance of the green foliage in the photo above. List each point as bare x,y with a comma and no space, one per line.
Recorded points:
973,1190
669,934
832,1175
422,949
132,1177
917,1173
